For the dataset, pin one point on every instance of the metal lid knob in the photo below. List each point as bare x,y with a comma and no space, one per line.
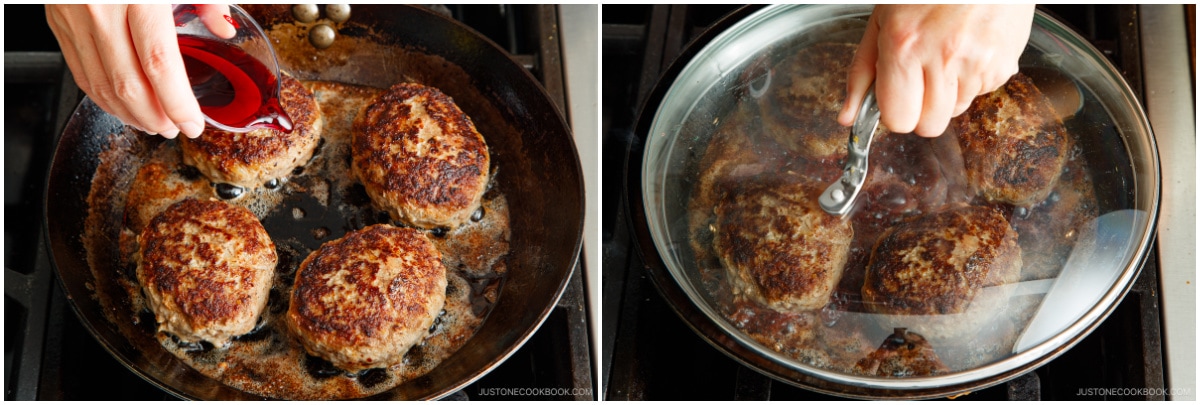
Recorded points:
839,197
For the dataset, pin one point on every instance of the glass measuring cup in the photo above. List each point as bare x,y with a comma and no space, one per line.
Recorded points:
233,71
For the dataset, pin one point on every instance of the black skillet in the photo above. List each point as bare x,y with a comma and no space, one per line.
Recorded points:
530,143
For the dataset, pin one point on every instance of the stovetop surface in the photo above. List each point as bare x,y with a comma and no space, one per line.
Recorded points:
650,353
49,354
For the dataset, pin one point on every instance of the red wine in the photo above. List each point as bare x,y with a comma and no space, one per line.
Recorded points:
233,88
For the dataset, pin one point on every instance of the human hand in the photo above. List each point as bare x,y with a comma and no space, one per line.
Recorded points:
928,62
126,58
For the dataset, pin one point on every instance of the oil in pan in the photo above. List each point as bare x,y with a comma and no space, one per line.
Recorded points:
319,202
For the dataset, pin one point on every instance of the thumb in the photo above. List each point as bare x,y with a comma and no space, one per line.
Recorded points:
218,19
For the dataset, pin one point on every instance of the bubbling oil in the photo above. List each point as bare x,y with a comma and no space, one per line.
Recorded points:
318,203
909,176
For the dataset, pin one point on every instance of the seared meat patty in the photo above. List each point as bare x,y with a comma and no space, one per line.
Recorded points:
737,153
958,264
155,187
206,269
779,247
1048,231
1013,144
253,158
803,335
363,300
903,354
802,100
419,157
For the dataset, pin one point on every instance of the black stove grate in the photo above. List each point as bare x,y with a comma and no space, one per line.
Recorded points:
49,354
650,353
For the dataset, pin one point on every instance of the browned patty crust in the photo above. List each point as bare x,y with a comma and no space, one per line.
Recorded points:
154,188
253,158
363,300
420,157
943,264
800,107
779,247
206,268
903,354
1013,144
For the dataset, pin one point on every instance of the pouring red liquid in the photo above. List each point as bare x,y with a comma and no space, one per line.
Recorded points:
232,87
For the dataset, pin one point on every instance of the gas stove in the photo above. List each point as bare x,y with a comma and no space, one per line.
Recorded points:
49,354
650,353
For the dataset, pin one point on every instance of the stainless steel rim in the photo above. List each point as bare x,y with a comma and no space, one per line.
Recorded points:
657,154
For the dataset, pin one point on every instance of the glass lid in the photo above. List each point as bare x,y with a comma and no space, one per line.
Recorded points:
968,255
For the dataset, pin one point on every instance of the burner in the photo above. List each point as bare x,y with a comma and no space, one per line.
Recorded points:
650,353
50,355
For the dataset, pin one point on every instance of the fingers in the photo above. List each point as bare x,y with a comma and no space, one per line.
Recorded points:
968,88
67,45
931,61
900,87
862,73
998,78
90,38
124,81
90,76
214,17
939,102
162,65
127,60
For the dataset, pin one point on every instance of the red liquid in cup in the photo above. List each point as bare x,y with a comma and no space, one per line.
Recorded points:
233,88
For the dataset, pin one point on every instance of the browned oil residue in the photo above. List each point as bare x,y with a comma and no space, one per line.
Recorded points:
909,176
318,203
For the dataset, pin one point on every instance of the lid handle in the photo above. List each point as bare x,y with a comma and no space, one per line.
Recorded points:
839,196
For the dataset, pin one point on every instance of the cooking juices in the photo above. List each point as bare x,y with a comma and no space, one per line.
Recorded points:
315,204
232,87
910,177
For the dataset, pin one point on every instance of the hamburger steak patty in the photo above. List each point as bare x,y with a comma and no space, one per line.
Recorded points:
206,268
1013,144
363,300
253,158
154,188
800,107
958,265
419,157
902,354
779,247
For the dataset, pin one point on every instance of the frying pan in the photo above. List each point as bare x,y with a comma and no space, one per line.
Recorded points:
677,122
530,143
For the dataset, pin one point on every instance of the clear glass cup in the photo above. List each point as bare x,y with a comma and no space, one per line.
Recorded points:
234,73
